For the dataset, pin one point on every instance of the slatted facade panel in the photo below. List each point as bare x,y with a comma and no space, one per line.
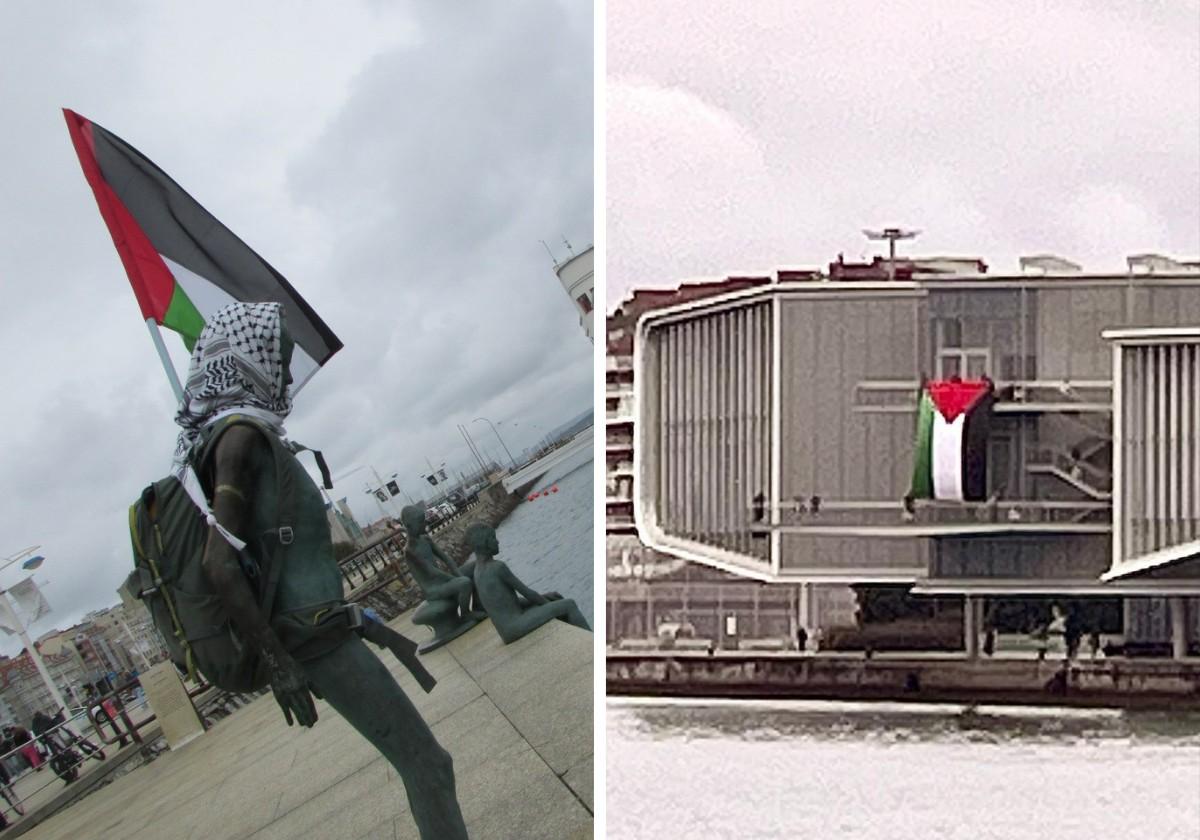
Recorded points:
1160,431
710,430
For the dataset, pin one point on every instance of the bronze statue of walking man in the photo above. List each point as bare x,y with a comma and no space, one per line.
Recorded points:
240,366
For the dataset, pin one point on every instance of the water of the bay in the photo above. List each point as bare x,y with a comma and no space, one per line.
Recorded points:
547,542
745,769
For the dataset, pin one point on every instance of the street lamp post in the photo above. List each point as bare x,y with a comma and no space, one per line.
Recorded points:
11,620
493,425
379,484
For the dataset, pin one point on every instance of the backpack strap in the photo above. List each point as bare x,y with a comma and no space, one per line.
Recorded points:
149,555
285,497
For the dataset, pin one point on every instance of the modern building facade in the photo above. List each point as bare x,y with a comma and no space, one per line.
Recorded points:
765,428
576,277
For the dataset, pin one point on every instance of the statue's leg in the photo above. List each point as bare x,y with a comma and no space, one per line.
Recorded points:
360,689
574,615
460,589
532,618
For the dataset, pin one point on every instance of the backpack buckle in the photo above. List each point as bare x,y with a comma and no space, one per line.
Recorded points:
285,535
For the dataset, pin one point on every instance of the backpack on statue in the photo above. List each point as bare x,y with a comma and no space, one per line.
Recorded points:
169,534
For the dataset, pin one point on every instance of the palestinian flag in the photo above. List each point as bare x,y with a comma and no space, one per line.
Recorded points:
183,263
952,432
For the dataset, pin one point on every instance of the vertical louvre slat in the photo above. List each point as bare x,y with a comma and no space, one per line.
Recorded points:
752,426
743,424
711,442
1195,426
696,412
762,438
667,446
667,443
698,441
1183,388
768,333
686,420
1170,455
677,432
714,426
1163,438
1147,448
1135,502
737,502
706,426
727,423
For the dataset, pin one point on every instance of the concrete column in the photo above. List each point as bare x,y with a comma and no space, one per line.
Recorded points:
1179,636
971,622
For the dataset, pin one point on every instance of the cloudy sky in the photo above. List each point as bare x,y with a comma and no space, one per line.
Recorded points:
748,136
398,163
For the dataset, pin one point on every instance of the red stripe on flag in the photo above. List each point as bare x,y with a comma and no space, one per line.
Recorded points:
153,284
954,397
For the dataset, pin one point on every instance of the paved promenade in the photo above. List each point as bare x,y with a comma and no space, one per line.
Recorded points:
517,720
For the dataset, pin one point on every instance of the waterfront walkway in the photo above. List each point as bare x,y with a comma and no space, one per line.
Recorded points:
517,720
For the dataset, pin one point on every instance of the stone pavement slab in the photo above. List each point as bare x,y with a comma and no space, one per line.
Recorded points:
517,720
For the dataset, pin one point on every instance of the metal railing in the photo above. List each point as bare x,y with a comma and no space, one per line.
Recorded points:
379,557
62,748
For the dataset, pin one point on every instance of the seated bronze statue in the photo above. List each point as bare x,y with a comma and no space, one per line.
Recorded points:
240,365
447,608
514,608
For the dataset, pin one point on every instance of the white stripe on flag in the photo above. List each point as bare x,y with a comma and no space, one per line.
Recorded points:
947,457
208,298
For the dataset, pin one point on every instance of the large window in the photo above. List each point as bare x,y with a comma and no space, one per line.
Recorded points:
953,359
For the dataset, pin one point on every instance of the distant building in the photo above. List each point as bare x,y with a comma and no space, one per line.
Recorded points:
576,277
126,636
347,522
776,417
22,688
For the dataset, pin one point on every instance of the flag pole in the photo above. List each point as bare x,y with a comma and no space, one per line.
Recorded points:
156,337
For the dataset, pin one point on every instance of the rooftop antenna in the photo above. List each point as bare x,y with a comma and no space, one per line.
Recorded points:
548,251
891,235
570,250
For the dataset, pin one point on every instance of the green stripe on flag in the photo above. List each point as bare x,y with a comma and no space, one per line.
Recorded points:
922,482
183,317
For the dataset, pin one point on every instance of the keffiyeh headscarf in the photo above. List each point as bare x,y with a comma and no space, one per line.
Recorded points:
236,366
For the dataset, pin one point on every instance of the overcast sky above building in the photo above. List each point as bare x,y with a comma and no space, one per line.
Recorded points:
398,163
749,136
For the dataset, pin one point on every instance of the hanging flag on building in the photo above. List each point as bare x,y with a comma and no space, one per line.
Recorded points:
950,460
441,475
432,479
393,488
380,495
29,600
182,262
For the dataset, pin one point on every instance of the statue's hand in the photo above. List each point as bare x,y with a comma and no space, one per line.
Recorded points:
292,692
